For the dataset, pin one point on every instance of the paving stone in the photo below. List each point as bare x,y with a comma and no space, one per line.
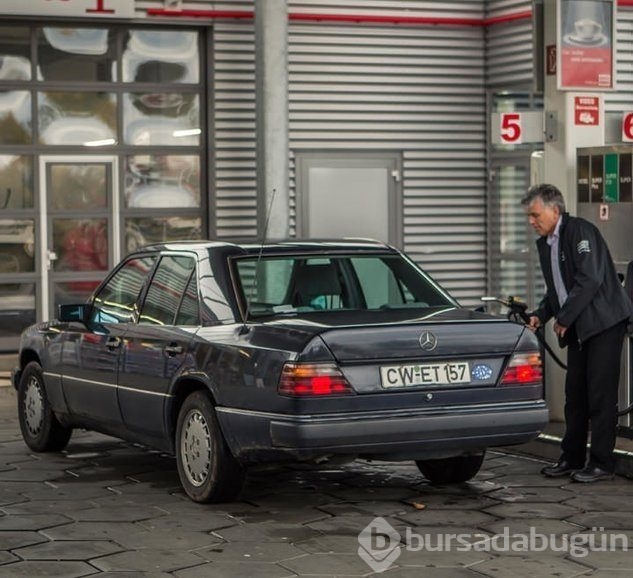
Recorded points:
267,532
452,501
114,514
447,517
44,506
10,540
201,521
234,570
286,515
533,494
600,503
147,561
29,475
398,572
252,553
539,565
367,508
117,531
448,555
532,510
328,565
329,544
610,560
76,491
178,541
7,558
47,568
349,526
609,520
68,550
525,525
535,481
32,521
132,575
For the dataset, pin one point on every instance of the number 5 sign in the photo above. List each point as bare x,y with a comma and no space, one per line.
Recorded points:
511,131
627,127
513,128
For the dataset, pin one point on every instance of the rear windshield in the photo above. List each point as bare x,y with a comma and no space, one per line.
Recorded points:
304,284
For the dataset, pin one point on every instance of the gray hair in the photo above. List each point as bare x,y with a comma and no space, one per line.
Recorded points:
549,194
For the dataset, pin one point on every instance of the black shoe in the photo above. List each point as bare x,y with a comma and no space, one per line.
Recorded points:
560,468
592,474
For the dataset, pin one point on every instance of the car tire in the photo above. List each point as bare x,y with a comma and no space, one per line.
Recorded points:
41,430
451,470
207,469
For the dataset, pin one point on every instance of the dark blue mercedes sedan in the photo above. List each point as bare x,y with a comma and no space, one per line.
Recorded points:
229,355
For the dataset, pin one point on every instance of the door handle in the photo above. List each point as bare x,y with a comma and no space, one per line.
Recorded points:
173,349
113,343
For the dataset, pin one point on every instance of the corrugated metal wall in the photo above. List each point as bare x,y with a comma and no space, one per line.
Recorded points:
417,90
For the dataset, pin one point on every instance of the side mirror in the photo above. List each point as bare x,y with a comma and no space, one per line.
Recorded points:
70,313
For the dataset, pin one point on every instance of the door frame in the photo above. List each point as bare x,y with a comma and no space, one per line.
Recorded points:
43,245
389,160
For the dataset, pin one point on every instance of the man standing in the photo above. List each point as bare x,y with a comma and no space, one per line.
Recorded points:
591,311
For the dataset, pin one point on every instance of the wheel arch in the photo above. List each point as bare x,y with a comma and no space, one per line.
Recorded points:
182,389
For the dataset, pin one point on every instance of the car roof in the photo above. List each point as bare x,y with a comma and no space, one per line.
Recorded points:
252,246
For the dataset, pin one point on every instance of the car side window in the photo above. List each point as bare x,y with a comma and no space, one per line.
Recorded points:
167,290
116,300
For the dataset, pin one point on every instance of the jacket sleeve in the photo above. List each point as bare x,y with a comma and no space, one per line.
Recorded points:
544,311
586,248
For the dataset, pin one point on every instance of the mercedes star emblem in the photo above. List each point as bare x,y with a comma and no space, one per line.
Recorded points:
428,341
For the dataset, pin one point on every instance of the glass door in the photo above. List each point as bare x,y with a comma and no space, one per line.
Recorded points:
79,227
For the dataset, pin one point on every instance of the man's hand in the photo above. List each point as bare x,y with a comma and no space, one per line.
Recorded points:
559,329
534,322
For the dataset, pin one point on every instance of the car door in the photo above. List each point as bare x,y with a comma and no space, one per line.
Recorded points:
92,350
156,347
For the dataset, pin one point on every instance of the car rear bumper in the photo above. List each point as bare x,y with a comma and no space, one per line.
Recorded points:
409,434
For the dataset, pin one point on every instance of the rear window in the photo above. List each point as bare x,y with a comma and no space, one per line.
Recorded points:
304,284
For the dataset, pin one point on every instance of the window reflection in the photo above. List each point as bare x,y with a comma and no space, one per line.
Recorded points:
77,186
161,56
76,117
17,311
145,230
86,54
161,118
80,244
162,181
16,182
15,53
17,245
15,117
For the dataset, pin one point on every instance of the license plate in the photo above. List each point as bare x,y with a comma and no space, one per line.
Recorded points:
427,374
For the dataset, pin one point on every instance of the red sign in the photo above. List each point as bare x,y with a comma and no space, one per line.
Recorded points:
627,127
586,111
585,40
511,131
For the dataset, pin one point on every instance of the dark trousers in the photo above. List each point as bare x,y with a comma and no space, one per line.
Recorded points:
591,397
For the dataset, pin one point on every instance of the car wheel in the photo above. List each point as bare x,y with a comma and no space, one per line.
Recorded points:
207,469
451,470
41,430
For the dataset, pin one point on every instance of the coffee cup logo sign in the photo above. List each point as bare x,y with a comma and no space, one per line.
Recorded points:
585,42
73,8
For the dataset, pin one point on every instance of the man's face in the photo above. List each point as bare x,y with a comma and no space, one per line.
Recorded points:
542,217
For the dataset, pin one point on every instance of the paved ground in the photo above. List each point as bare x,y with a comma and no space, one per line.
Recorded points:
108,508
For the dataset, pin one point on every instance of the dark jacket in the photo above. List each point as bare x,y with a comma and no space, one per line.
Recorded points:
596,299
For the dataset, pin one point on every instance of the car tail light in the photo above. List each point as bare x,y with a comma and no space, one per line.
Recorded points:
523,369
312,379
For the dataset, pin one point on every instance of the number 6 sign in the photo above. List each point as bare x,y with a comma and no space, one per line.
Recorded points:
511,131
627,127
